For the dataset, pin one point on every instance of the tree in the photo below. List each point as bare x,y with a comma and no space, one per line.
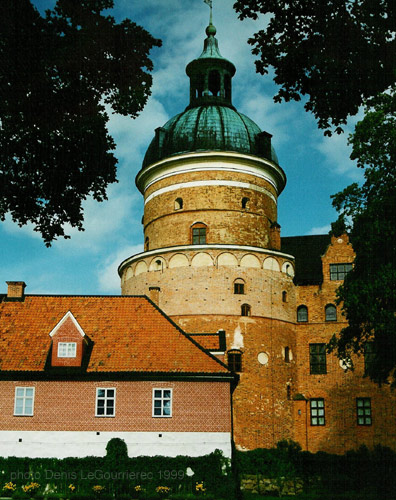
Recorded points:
57,73
337,52
368,293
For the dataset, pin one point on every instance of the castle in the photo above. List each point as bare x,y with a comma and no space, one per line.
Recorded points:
214,261
220,334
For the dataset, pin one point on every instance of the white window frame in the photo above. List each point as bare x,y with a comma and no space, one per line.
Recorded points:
66,353
162,400
24,398
106,398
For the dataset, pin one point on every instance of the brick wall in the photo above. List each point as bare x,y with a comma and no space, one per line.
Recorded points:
70,406
338,387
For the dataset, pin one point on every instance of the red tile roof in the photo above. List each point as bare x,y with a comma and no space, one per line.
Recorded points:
129,334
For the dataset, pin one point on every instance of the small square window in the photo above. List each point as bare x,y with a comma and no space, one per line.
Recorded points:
317,411
162,402
339,271
317,359
363,411
24,401
67,349
105,402
239,288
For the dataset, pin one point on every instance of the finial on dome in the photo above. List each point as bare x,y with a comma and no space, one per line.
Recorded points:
209,2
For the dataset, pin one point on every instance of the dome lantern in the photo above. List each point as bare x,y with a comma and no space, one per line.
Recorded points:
210,75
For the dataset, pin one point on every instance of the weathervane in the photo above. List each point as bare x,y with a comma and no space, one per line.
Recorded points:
209,2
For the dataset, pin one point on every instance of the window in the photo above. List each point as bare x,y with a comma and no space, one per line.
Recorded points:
302,314
245,310
363,410
105,402
339,271
162,402
317,358
235,361
245,202
331,312
239,287
284,296
369,356
199,235
287,354
67,349
146,244
24,401
178,203
317,411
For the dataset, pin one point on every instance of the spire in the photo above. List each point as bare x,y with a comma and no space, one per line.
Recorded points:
210,74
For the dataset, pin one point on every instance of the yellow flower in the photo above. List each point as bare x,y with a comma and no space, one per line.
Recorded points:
9,486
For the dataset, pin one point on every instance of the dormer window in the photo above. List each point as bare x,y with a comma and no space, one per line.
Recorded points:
67,349
68,342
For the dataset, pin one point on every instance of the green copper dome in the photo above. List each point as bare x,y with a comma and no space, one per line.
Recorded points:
208,128
210,122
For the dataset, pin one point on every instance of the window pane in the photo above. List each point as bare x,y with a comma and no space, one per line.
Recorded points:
101,393
110,393
167,394
166,411
20,391
110,411
101,411
101,403
157,411
157,394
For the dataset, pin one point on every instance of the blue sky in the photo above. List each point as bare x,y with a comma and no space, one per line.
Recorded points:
315,166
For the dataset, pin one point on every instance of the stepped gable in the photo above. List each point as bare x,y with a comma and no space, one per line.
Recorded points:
307,251
128,334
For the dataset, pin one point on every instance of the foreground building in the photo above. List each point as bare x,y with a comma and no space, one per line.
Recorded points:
76,371
214,261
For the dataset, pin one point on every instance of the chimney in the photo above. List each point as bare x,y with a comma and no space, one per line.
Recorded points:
16,290
154,294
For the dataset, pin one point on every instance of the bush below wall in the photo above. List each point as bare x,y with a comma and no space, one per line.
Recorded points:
286,470
119,476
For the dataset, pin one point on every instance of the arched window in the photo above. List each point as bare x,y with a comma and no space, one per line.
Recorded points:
234,360
198,234
245,202
214,82
287,354
178,203
245,310
146,244
331,312
239,286
302,313
284,296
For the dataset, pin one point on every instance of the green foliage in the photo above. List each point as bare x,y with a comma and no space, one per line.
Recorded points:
359,474
336,52
57,73
119,475
368,293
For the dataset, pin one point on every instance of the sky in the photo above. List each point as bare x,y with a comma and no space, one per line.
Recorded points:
316,166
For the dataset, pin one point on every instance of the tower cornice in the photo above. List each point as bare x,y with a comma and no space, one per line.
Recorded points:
212,160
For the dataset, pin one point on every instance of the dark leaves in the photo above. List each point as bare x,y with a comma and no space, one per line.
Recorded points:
55,73
335,52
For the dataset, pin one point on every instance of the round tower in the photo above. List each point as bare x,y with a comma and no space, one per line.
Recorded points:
212,259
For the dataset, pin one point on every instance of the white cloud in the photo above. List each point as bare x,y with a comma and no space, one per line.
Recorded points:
107,274
320,229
